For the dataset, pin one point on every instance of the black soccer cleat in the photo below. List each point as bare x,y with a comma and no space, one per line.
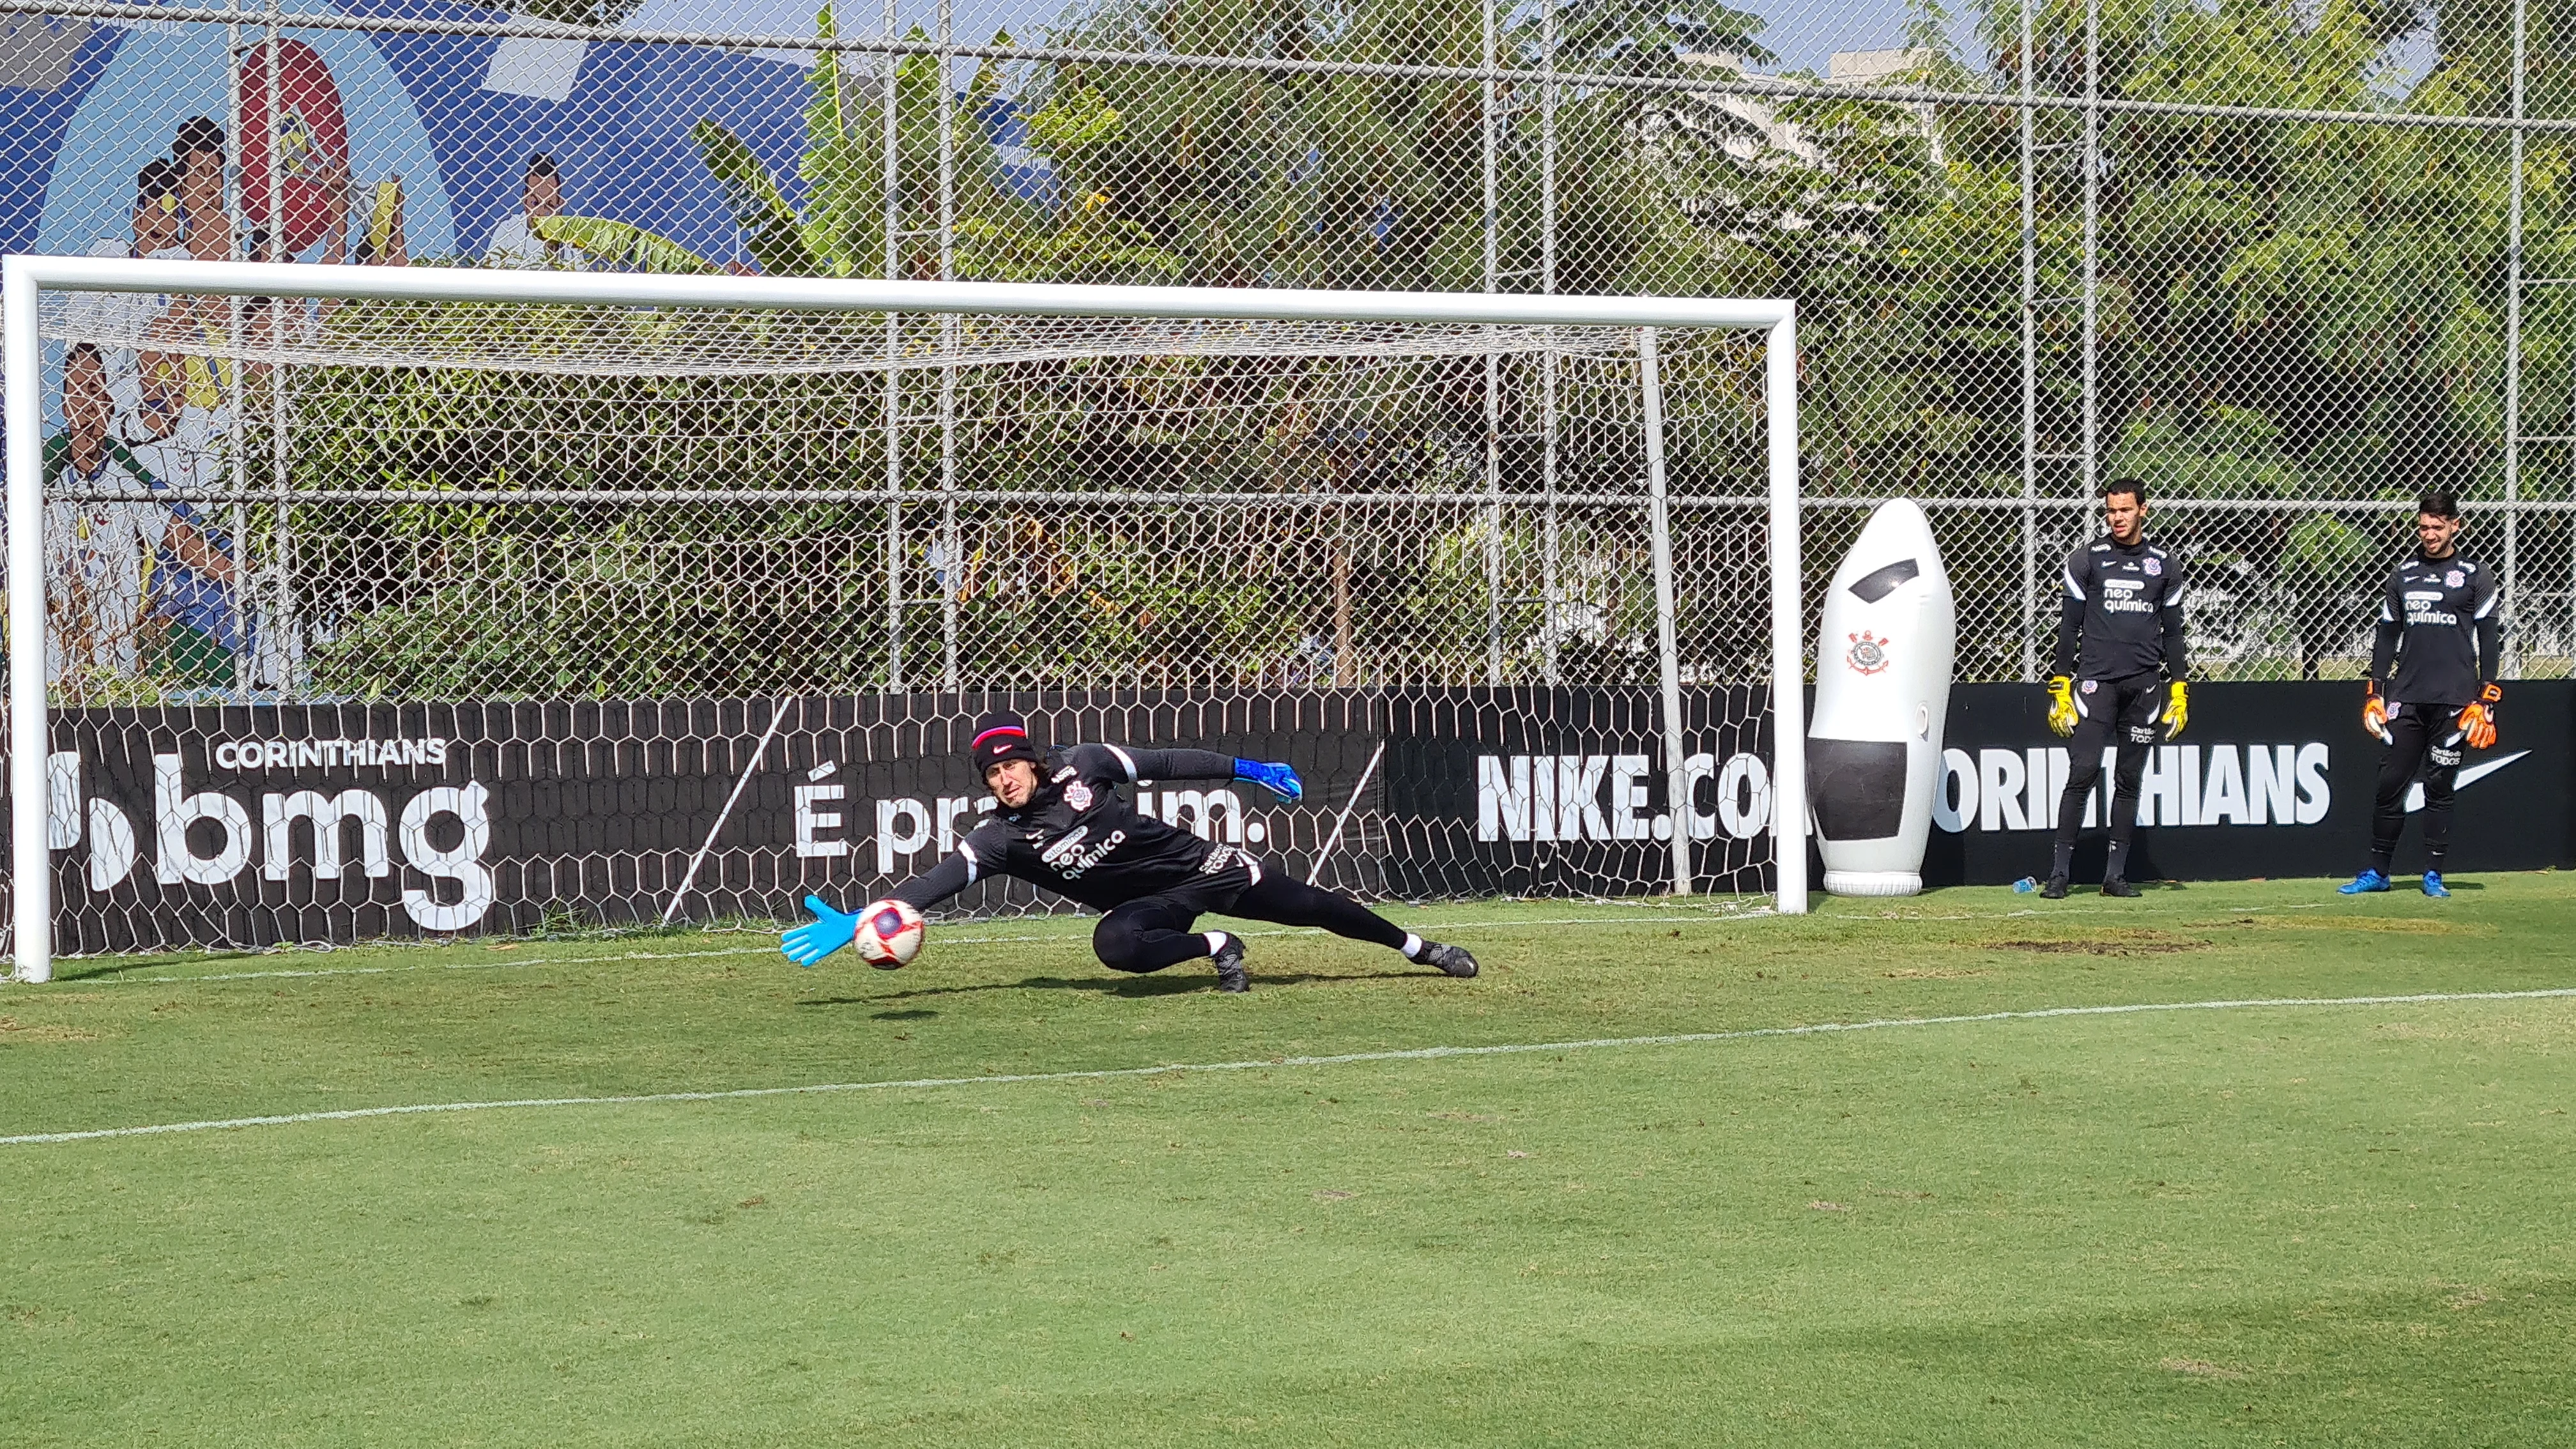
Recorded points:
1230,975
2114,886
2054,890
1452,960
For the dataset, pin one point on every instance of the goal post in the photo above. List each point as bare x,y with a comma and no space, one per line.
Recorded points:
30,279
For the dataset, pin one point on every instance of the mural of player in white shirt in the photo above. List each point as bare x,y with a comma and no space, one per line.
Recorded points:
99,550
514,242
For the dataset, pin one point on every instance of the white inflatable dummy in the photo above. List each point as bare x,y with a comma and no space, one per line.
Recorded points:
1883,659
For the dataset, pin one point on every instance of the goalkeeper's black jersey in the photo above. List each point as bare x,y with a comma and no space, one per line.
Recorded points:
2438,636
2124,603
1079,837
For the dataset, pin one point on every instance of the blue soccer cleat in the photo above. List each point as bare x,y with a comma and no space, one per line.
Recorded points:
2433,886
2368,883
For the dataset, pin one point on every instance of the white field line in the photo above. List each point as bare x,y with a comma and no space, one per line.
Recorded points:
1268,1063
772,950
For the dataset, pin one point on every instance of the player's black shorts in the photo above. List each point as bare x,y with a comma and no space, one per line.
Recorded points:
1225,874
2124,710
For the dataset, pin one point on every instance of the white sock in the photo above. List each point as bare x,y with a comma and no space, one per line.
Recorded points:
1215,940
1412,947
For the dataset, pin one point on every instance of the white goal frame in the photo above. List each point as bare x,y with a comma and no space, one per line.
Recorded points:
24,278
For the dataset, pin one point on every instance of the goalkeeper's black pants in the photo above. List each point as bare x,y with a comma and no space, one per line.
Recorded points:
2425,739
2123,714
1152,932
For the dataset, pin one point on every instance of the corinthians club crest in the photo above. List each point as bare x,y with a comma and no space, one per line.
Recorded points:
1868,652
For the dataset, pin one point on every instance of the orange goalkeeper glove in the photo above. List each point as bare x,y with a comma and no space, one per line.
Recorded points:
2374,712
2478,720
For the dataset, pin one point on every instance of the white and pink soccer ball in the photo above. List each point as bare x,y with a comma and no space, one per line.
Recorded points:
890,934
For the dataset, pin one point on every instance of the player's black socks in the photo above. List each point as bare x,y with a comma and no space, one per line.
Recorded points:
2383,854
2063,862
2117,867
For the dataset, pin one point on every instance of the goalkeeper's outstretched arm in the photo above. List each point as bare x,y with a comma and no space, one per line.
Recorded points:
1127,766
975,857
832,928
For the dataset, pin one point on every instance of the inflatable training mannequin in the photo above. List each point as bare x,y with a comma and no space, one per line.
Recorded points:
1883,660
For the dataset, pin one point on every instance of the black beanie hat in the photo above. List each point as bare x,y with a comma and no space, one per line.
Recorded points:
999,736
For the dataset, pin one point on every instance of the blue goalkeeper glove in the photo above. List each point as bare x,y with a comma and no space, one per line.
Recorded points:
1279,780
828,932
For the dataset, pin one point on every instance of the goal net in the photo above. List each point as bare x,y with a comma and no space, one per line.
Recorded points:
354,603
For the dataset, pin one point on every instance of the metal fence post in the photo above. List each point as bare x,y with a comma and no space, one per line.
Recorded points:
1551,540
892,188
2029,366
2512,663
949,333
2092,246
1486,99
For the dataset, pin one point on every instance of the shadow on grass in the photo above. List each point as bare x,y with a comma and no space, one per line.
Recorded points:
1123,986
103,969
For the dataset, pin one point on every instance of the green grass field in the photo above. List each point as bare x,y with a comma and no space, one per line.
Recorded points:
2263,1224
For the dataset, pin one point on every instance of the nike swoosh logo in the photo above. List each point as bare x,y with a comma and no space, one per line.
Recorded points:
2462,781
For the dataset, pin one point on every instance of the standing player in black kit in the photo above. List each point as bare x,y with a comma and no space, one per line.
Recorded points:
2432,687
2123,606
1062,824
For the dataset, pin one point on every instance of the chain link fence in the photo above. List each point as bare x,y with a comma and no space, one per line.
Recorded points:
2287,266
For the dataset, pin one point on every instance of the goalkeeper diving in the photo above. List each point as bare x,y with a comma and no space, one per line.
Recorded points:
1059,822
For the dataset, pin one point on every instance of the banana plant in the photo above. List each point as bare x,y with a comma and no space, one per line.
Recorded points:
621,245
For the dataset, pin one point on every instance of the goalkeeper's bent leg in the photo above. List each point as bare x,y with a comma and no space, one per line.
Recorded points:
1147,934
1285,901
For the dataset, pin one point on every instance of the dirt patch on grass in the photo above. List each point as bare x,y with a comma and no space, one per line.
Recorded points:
1930,973
2200,1368
2105,943
2382,925
14,1030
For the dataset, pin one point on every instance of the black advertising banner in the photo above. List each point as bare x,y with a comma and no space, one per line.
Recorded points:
249,826
336,823
2271,779
1564,792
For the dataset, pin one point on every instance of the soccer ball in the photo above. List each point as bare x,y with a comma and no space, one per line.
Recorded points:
889,934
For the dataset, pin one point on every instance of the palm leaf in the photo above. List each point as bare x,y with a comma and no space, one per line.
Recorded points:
620,244
770,226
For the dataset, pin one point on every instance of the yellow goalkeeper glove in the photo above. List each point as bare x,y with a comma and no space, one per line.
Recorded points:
2374,713
2177,708
2061,705
2479,718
